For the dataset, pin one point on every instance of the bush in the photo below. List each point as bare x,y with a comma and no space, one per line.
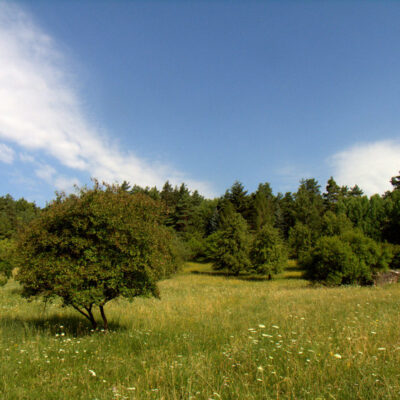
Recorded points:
373,257
268,253
348,259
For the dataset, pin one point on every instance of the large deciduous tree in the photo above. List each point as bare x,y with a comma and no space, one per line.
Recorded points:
91,247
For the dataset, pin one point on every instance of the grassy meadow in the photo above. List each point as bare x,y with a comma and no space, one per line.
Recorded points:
209,337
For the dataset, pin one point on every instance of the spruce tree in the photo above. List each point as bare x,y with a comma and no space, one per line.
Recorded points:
268,253
232,245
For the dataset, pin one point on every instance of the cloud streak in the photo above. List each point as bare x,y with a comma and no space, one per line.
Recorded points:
369,165
6,154
40,111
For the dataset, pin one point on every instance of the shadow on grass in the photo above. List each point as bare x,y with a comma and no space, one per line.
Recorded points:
253,277
230,275
69,325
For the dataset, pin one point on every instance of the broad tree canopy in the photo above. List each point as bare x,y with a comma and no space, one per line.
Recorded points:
94,246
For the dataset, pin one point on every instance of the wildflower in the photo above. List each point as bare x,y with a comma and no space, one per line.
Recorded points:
260,368
92,372
337,355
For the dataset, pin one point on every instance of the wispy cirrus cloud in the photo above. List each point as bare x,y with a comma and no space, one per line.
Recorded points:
369,165
40,111
6,154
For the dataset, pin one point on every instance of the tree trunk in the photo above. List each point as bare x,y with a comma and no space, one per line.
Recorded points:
89,315
103,315
91,318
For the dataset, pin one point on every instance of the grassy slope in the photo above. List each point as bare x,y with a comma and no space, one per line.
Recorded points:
206,339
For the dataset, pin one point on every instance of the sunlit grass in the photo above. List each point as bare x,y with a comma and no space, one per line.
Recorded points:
209,337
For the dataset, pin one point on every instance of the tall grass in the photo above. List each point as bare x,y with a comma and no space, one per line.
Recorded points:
209,337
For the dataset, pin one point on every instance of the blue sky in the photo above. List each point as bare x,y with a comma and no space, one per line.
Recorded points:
201,92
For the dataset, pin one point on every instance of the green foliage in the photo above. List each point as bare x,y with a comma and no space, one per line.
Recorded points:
395,181
300,239
15,214
308,205
335,224
263,210
95,246
268,252
233,245
394,249
331,261
6,263
332,194
373,257
239,198
285,215
351,258
391,230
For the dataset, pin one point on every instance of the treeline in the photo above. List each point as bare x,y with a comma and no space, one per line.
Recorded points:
339,235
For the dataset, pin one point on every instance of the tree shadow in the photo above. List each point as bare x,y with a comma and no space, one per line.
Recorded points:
68,325
230,275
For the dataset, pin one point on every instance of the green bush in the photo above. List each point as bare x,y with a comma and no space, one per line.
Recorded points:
373,257
351,258
268,254
330,261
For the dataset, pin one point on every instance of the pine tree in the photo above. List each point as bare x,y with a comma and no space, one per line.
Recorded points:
332,194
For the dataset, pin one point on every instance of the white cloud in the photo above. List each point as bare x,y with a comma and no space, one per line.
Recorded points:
6,154
46,172
369,165
40,111
65,184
